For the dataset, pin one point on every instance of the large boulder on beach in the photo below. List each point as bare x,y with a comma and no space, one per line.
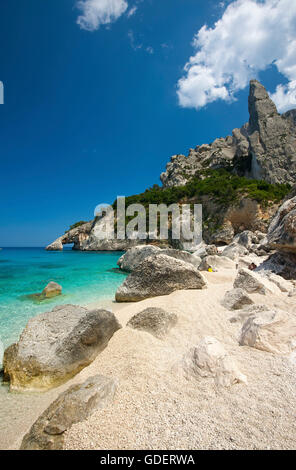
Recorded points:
159,275
236,299
205,250
56,345
134,256
252,282
284,285
282,237
282,230
281,263
235,251
183,256
246,238
224,235
74,405
271,331
210,360
155,321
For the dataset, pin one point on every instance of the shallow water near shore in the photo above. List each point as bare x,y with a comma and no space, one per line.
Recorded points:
86,278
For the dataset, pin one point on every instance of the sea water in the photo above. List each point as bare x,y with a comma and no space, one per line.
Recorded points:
85,277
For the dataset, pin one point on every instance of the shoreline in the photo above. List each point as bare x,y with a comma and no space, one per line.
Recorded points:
20,410
162,408
108,304
85,278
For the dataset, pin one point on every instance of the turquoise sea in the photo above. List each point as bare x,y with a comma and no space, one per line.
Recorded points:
86,277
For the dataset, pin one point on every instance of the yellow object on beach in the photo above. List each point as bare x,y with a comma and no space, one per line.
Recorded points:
210,270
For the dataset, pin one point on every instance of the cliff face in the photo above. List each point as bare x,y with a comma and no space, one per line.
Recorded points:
264,148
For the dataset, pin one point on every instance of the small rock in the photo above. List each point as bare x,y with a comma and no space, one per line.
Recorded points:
51,290
236,299
246,239
234,251
156,321
209,359
292,293
73,406
247,312
206,250
280,282
201,252
224,235
271,331
211,250
253,283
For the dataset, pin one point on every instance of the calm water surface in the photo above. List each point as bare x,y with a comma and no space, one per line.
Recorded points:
86,277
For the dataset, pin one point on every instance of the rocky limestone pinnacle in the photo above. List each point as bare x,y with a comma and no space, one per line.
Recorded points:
264,148
260,105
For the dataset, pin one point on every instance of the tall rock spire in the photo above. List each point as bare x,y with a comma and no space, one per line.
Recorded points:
264,148
261,106
271,138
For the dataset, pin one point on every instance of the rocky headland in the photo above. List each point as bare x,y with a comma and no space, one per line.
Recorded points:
240,180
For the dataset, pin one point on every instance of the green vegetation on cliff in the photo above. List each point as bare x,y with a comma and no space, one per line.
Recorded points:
76,225
216,190
219,185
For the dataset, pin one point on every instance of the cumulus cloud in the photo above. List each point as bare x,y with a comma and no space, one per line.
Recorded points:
250,36
95,13
285,96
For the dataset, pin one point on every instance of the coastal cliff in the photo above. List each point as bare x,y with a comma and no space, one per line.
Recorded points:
240,180
218,321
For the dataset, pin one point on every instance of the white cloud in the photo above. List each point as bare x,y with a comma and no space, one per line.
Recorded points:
132,11
250,36
135,46
285,96
99,12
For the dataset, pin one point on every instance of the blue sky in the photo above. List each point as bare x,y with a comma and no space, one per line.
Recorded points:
95,110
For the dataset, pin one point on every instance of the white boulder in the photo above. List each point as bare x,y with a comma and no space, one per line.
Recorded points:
210,360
